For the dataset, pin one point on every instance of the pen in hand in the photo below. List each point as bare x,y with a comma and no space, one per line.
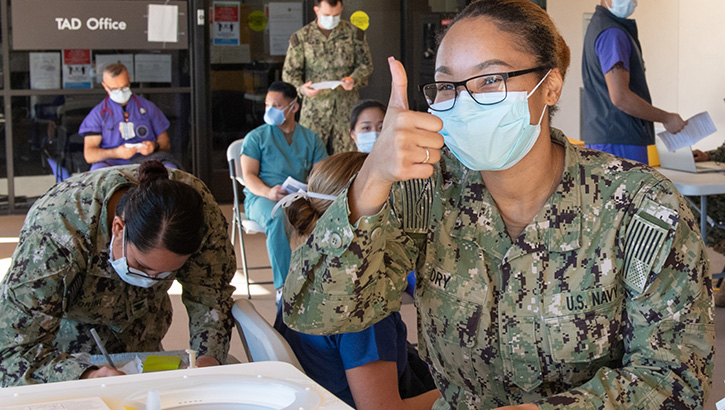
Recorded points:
102,348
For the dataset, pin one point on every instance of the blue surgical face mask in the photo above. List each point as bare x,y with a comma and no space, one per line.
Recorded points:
121,95
490,137
366,140
623,8
130,275
275,116
329,22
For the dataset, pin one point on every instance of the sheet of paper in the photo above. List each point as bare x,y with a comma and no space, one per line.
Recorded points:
88,403
102,60
284,19
77,69
153,68
697,128
326,85
163,23
155,363
225,30
292,185
44,71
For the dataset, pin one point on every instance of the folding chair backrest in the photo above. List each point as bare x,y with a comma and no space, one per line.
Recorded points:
234,152
260,339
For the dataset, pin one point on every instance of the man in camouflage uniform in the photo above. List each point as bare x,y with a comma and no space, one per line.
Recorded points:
318,54
61,284
716,211
603,301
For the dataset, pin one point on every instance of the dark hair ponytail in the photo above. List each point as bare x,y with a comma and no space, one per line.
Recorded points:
162,213
302,217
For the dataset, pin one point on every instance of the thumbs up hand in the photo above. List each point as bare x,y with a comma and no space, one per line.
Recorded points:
406,149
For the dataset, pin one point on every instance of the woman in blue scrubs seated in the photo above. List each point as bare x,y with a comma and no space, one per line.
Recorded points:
272,152
375,368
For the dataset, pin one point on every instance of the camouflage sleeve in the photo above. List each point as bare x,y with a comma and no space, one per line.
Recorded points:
669,332
32,305
363,61
717,154
346,277
207,293
293,70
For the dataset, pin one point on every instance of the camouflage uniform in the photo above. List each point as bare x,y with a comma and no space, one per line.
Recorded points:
313,57
603,302
61,284
716,209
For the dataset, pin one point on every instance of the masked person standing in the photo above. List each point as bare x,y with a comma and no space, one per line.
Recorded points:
272,152
548,276
328,49
617,108
100,250
124,128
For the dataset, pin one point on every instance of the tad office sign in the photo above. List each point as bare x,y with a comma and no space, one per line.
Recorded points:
93,24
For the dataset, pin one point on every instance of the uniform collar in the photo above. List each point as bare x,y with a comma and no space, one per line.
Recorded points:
556,228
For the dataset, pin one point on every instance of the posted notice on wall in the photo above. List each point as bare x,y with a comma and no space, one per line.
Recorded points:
225,30
77,69
284,20
152,68
45,71
102,60
163,23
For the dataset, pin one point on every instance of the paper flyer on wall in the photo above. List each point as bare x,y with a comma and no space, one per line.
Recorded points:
152,68
284,20
102,60
163,23
77,69
45,71
225,30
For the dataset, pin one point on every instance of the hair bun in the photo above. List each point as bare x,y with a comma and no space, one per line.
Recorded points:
302,216
150,171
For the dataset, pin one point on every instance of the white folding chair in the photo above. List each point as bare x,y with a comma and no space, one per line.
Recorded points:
239,221
260,340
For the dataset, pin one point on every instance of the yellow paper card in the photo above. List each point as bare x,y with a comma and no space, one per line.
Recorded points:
155,363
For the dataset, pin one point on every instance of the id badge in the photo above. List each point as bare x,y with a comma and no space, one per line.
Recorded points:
127,131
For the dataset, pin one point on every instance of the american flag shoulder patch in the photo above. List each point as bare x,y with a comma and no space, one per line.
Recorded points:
417,198
648,232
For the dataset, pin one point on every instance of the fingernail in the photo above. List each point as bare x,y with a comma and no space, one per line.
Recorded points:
391,59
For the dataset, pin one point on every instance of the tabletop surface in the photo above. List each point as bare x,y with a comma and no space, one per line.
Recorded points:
259,385
691,183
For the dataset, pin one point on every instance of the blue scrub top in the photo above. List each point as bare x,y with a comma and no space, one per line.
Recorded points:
613,46
278,159
325,358
103,120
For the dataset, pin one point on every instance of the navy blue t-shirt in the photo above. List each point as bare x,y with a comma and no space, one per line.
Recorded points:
325,358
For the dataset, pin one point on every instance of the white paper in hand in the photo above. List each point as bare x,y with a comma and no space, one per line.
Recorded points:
325,85
292,185
697,128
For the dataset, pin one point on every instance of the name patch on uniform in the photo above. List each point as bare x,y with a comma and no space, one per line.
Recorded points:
439,279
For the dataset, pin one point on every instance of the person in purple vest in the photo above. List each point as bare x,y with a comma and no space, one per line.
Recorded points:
617,110
124,128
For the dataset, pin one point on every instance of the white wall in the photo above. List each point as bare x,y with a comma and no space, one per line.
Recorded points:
683,43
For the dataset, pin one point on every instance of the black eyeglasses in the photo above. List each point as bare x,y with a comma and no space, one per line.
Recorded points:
485,89
163,276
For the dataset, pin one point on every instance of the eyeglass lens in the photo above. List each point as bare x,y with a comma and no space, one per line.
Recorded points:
138,272
486,90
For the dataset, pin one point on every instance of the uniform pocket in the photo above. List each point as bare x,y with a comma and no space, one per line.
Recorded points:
449,327
587,336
